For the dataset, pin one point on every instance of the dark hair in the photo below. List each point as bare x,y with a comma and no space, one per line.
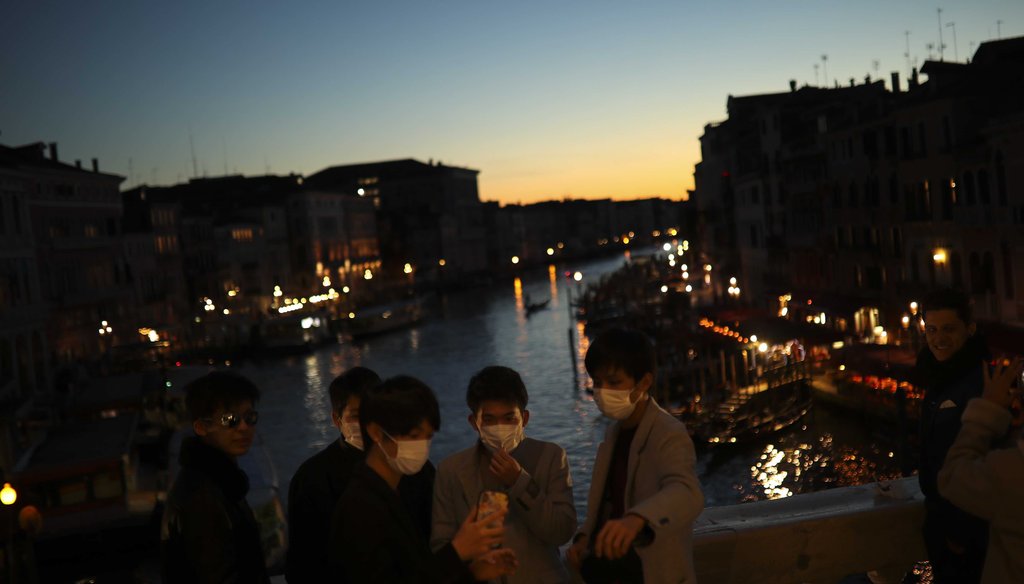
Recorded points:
218,390
354,382
948,299
628,350
398,405
496,383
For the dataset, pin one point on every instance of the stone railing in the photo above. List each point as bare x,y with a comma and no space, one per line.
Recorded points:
813,538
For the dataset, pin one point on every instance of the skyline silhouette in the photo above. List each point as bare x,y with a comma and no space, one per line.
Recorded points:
575,100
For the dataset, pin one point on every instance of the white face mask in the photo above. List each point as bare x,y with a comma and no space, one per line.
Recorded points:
353,435
614,403
501,436
411,455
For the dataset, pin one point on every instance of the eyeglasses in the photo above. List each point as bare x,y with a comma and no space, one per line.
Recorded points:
232,420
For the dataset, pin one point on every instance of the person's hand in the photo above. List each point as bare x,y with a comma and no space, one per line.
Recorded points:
616,536
998,383
494,564
475,538
576,551
505,467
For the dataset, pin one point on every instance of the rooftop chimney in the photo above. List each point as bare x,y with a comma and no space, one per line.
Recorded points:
53,152
895,82
78,163
913,77
95,165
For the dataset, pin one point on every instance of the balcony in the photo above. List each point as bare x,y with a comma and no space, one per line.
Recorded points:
815,538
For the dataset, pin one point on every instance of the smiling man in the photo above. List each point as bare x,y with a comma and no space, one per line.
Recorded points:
208,532
950,370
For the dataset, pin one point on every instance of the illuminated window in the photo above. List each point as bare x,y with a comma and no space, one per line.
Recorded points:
242,234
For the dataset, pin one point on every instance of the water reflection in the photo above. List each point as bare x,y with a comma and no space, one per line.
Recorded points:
797,465
553,290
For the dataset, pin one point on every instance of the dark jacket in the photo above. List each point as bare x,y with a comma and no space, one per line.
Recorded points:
375,539
208,532
313,494
948,386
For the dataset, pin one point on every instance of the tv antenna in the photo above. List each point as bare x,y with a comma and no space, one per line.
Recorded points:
941,46
824,66
192,149
956,55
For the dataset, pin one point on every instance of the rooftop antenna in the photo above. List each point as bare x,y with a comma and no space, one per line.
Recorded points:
192,149
941,46
999,29
817,80
824,63
875,64
930,47
970,50
956,54
906,54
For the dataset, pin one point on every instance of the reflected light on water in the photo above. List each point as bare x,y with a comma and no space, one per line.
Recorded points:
315,398
553,279
582,345
783,471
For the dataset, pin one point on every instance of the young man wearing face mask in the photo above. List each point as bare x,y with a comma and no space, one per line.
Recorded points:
320,480
534,474
644,493
374,538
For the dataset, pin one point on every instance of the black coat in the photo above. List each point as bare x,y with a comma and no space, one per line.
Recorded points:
948,386
313,494
375,540
208,532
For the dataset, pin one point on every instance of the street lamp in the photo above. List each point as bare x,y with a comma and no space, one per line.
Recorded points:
8,495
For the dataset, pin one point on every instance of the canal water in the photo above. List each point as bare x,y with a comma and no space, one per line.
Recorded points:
473,329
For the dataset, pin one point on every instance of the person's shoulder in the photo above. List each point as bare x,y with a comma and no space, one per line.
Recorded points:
360,492
195,491
665,421
542,446
318,462
457,460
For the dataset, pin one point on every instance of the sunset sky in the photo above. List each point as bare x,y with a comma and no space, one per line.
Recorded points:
546,99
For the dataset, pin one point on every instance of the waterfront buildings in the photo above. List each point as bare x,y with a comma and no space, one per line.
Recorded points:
429,215
91,272
856,200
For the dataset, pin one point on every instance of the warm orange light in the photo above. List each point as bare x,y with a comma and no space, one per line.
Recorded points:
8,495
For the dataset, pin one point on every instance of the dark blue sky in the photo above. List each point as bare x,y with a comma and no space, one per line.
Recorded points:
546,99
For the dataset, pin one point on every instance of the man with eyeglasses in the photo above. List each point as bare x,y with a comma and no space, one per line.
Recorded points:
208,532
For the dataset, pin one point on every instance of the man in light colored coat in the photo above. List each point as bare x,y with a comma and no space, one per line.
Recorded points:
987,482
533,473
644,495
